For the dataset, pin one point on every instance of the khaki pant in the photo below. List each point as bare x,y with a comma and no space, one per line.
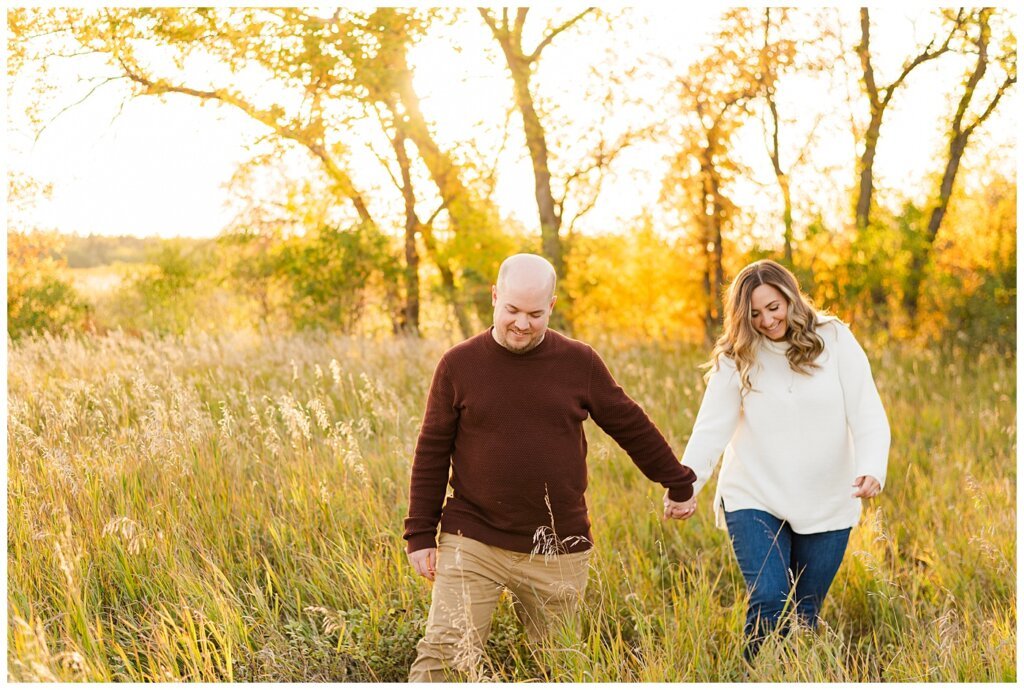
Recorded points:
469,581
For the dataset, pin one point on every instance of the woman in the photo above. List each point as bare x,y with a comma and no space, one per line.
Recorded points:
791,400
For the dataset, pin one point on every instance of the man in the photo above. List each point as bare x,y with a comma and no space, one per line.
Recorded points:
505,416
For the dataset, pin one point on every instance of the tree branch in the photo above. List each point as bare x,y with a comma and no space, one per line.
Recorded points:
554,32
864,52
380,158
76,103
489,20
976,75
1009,81
926,55
429,222
801,156
491,177
517,28
308,138
603,158
587,207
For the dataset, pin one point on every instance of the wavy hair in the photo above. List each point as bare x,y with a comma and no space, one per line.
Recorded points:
740,340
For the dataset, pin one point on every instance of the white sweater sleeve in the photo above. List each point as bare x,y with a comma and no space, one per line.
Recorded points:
864,412
715,424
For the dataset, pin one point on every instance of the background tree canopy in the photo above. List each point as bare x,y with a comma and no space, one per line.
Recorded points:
408,239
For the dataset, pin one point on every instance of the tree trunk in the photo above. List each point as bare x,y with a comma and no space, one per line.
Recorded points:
958,140
411,308
921,252
718,219
447,281
768,78
458,200
787,222
536,143
878,98
867,163
783,182
509,35
709,315
465,213
876,290
714,211
865,190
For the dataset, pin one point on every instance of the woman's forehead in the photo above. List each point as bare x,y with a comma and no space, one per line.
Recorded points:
763,295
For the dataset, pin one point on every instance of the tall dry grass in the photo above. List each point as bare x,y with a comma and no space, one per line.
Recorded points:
230,508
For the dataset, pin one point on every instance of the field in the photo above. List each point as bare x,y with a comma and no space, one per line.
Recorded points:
230,508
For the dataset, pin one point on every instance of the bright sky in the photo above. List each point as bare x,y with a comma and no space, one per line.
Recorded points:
150,167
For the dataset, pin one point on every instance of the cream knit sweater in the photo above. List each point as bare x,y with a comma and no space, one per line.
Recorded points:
794,445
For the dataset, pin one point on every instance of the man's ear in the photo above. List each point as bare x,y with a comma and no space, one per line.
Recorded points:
554,298
494,295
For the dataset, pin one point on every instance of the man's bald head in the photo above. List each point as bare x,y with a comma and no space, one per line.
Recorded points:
527,270
523,298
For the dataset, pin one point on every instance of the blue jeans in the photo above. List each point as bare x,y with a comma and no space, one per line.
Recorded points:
773,558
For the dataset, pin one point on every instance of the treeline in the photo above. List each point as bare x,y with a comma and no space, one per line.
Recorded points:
329,279
338,248
90,251
632,283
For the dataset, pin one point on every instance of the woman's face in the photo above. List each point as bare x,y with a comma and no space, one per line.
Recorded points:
768,310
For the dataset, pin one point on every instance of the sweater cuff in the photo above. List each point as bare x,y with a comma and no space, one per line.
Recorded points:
681,494
876,472
418,542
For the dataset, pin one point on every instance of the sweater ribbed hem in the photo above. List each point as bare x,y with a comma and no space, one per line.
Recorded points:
515,542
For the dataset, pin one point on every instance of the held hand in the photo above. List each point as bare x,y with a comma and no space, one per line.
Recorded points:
866,487
424,562
675,510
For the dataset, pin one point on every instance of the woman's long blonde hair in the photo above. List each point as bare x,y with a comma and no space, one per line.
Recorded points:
740,340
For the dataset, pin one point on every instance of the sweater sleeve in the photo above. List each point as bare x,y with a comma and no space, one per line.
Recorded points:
432,463
716,422
626,422
865,415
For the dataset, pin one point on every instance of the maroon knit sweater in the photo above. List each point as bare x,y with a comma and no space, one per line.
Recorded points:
509,427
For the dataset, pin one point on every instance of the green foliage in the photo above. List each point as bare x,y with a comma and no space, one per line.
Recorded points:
251,266
972,289
40,298
479,252
866,272
988,313
332,272
166,294
229,509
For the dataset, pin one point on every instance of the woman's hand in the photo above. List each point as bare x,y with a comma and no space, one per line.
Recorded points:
679,511
866,487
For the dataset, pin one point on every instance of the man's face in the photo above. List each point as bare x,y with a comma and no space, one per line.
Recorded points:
521,313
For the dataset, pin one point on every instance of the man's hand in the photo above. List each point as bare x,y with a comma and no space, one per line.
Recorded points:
679,511
867,487
424,562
